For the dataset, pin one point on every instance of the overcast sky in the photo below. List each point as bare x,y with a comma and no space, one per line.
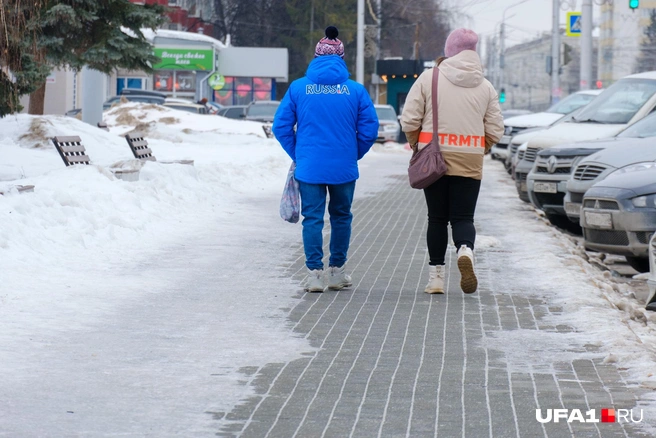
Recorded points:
524,21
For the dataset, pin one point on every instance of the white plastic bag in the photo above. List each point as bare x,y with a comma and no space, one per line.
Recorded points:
290,204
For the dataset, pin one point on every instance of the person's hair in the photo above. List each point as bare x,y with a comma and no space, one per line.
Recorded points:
439,60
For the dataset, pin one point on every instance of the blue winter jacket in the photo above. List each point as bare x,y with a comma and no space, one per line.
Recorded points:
336,123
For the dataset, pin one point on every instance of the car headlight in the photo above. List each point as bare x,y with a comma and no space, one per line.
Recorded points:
390,128
636,167
507,130
646,201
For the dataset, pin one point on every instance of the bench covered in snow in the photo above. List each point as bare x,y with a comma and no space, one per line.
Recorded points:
71,150
73,153
141,150
20,189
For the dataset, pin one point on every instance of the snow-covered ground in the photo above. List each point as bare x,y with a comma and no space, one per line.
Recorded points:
84,251
86,258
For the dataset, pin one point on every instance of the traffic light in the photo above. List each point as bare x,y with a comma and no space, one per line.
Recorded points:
633,4
567,53
502,95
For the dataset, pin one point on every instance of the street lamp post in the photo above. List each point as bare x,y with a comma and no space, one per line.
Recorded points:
359,61
502,42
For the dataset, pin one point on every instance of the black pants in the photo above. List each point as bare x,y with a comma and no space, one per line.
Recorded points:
452,199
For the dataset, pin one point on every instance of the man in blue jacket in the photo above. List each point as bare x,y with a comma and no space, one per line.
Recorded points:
336,125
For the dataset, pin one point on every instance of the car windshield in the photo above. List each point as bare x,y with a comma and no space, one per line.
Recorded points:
642,128
571,103
264,109
619,103
385,113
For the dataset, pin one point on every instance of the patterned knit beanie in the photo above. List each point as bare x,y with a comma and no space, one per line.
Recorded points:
459,40
330,45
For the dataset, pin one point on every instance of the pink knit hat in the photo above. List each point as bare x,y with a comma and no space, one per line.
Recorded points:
330,45
459,40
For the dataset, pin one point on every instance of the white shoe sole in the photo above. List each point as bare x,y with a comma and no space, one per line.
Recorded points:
314,289
339,286
468,280
434,291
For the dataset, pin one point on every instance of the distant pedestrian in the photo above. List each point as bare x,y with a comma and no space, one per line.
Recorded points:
469,124
336,125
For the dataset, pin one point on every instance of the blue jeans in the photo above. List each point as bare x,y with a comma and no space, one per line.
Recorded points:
313,209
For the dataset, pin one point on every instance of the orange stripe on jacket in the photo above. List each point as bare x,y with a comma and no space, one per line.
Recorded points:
454,139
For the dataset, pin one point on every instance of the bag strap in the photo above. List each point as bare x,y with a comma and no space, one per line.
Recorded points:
436,76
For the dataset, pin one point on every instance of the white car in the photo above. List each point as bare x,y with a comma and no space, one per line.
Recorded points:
389,127
622,104
515,125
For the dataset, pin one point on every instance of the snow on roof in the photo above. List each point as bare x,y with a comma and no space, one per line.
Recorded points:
176,34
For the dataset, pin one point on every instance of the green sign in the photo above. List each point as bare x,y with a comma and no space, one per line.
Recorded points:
216,81
184,59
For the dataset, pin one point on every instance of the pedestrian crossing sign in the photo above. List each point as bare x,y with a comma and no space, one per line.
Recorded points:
573,27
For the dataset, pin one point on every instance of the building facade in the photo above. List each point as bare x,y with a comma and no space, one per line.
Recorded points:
527,81
621,32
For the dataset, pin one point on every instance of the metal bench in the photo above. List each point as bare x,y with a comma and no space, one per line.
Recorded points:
71,150
141,150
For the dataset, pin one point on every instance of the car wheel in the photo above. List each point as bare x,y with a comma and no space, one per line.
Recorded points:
640,264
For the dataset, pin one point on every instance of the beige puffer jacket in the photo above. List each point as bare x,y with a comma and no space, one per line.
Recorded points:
469,116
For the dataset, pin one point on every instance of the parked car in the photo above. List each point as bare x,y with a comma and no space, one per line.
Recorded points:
389,127
553,168
517,124
623,104
506,114
633,145
187,106
232,112
213,107
619,214
74,112
261,110
136,95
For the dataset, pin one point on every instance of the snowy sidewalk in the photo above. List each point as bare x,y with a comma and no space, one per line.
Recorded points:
392,361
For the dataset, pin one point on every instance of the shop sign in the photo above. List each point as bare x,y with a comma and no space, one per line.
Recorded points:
184,59
216,81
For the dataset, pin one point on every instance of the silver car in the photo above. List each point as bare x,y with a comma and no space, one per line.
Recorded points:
389,127
517,124
633,145
619,214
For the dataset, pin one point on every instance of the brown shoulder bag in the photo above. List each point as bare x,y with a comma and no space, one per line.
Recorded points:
427,165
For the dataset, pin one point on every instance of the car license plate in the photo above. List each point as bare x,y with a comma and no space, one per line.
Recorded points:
599,220
505,139
573,208
545,187
522,187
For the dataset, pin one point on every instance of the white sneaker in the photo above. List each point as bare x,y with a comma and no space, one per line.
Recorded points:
468,281
435,280
314,281
338,279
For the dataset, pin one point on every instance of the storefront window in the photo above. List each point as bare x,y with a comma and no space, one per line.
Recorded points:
242,90
164,81
183,81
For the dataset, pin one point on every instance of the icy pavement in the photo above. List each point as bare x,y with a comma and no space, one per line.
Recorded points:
204,329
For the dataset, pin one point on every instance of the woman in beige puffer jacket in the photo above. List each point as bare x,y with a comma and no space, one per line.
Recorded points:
469,123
